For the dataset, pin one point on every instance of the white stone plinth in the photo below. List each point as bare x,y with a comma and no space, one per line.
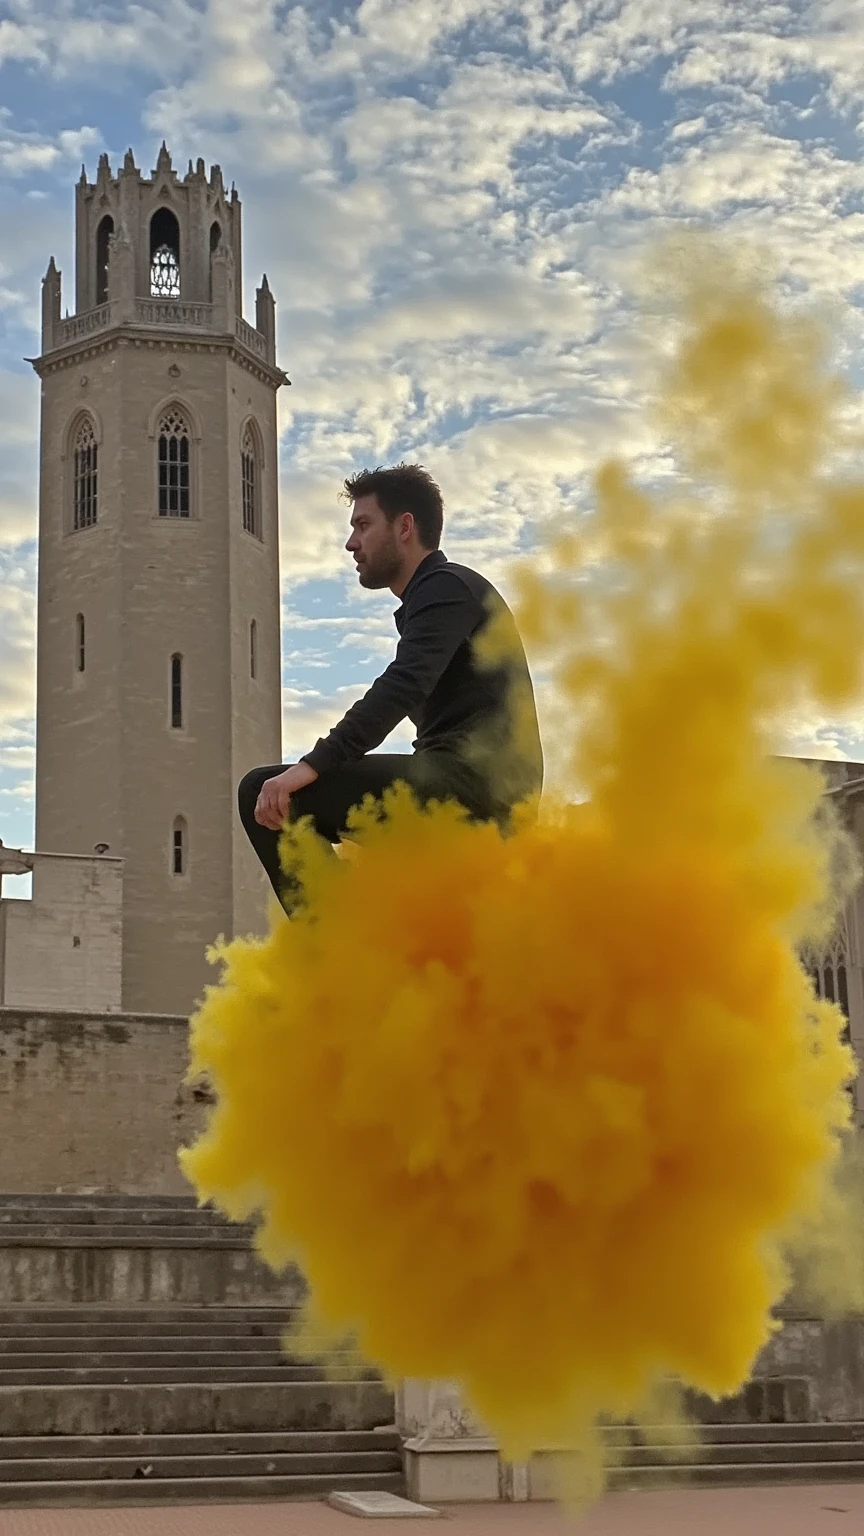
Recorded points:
449,1455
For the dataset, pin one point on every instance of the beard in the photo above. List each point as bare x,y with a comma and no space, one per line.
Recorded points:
380,572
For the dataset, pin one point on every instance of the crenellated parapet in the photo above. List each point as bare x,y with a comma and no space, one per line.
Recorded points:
157,252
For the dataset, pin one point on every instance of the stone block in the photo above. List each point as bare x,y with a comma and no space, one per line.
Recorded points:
452,1471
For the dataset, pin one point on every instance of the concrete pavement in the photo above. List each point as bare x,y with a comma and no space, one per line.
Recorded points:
817,1510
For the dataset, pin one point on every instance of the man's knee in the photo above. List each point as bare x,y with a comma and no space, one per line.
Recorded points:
248,791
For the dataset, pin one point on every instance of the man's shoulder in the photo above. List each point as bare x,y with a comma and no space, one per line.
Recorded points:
446,572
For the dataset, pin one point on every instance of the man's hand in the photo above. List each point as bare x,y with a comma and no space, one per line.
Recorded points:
271,809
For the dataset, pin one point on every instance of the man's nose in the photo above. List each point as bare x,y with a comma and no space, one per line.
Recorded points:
353,543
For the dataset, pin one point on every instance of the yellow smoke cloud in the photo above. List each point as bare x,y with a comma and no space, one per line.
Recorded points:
548,1114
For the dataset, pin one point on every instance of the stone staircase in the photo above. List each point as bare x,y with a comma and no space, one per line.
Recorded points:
746,1454
140,1359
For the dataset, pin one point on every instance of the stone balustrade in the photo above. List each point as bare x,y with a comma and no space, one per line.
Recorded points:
173,314
249,337
78,326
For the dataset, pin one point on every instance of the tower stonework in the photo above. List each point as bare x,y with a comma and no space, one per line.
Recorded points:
158,671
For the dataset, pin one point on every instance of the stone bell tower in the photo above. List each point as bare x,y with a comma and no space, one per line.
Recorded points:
159,613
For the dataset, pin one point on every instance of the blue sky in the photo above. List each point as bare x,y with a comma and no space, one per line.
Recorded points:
452,200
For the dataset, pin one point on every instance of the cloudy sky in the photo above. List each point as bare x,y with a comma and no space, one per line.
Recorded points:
450,199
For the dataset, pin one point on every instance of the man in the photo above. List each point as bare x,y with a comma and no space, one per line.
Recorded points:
477,742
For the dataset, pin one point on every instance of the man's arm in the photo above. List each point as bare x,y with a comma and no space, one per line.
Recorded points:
443,616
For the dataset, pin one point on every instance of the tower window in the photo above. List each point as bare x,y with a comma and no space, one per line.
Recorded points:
173,465
86,473
103,236
176,692
253,649
215,242
164,255
79,642
251,484
179,847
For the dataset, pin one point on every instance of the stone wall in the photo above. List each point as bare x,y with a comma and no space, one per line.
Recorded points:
94,1102
65,943
812,1371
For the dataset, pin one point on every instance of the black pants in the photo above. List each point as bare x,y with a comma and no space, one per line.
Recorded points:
431,775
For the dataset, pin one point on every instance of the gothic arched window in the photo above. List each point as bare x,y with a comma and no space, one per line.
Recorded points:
174,465
179,846
250,475
164,255
103,236
85,472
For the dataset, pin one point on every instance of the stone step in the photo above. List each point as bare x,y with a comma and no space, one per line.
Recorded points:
740,1474
71,1336
130,1237
754,1452
197,1490
202,1327
735,1434
187,1360
277,1464
103,1201
163,1374
280,1442
120,1315
14,1217
141,1273
158,1408
130,1341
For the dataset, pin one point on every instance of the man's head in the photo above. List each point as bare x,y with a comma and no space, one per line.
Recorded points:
396,522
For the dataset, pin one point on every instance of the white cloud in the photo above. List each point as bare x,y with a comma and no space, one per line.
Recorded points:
20,42
17,646
452,247
690,129
23,153
309,715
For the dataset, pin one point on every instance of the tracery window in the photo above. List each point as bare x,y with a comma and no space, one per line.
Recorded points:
174,465
828,970
164,255
86,467
251,483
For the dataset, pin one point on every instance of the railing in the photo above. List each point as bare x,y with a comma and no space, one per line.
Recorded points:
251,338
161,312
191,317
77,326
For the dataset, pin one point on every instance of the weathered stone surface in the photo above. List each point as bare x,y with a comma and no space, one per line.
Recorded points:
93,1103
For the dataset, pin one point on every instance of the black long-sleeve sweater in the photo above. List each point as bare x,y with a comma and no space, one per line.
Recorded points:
485,715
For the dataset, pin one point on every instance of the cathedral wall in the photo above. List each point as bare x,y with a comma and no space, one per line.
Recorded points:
256,738
63,946
94,1103
77,727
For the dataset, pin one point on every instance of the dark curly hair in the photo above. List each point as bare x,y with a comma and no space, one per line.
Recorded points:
405,488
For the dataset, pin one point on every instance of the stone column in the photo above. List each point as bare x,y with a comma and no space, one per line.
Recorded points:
224,306
50,307
121,278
